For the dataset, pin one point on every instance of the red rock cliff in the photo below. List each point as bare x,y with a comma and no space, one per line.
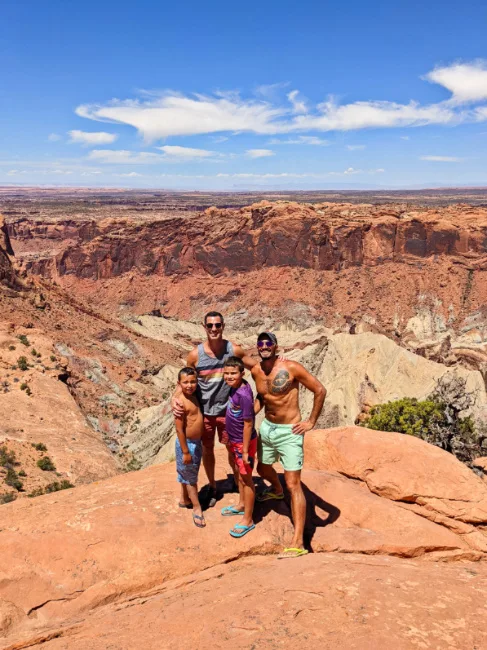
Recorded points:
319,237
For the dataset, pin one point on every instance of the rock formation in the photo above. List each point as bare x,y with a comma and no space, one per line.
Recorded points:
77,558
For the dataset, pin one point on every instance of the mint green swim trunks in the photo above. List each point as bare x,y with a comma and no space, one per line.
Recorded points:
278,442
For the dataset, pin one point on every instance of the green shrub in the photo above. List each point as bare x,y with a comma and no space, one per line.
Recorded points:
51,487
53,358
57,486
11,348
13,480
436,420
22,363
46,464
40,446
24,340
7,458
8,497
33,352
24,386
22,473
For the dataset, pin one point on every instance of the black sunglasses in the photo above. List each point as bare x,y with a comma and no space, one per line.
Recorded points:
210,326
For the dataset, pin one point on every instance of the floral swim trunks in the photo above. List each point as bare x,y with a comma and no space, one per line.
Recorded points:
188,474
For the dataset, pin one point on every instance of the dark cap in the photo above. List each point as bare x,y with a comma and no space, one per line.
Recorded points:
268,335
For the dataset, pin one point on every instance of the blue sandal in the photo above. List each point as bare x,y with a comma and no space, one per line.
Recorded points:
244,529
229,511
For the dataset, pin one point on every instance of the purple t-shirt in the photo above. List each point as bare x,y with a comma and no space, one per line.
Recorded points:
240,407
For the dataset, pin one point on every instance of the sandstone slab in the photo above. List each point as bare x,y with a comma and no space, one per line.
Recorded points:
70,553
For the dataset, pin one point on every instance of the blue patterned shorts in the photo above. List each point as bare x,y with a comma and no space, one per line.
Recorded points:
188,474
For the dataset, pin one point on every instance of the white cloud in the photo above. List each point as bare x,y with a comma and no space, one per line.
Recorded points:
128,175
219,138
355,147
178,115
302,139
405,137
90,139
17,172
299,105
123,157
466,81
187,153
53,137
62,172
259,153
441,158
95,173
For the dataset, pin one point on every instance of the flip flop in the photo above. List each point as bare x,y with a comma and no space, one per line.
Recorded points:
230,511
202,523
244,529
292,552
269,495
188,506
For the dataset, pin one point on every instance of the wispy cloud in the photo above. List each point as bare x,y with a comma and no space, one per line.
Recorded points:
124,157
355,147
53,137
441,158
92,139
128,175
259,153
302,139
299,105
174,114
184,154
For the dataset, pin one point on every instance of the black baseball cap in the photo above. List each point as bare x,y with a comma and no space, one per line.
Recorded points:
268,335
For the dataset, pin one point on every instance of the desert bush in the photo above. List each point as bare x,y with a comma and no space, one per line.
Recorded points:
11,348
22,363
46,464
22,473
58,485
53,358
436,420
40,446
7,458
24,340
12,479
8,497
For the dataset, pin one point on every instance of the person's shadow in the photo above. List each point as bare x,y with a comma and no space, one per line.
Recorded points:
283,507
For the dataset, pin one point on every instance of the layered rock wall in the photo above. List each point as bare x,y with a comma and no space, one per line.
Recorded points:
318,237
8,276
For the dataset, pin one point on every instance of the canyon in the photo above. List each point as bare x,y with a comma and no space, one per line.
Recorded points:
103,295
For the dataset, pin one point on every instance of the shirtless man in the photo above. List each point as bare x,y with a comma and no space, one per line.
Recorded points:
208,358
282,431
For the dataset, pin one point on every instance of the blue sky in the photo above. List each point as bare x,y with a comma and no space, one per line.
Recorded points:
194,95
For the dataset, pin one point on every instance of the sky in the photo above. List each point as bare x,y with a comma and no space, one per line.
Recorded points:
255,95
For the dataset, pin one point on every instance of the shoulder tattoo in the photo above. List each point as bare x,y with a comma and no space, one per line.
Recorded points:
281,383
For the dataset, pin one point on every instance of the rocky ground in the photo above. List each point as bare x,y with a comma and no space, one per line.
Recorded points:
398,530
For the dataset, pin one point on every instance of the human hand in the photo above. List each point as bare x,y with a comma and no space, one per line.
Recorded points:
187,459
245,458
300,428
177,407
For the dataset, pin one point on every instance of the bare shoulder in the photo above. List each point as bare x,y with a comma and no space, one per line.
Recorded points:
238,350
192,358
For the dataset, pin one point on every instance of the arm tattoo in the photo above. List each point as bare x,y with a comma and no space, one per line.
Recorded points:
281,383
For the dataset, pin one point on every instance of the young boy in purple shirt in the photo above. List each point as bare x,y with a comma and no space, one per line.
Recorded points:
242,443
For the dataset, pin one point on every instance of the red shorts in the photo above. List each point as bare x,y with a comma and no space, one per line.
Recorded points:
236,448
212,424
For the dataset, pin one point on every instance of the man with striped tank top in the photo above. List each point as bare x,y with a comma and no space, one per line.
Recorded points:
208,358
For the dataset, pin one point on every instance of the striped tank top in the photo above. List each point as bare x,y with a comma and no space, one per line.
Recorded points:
214,392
